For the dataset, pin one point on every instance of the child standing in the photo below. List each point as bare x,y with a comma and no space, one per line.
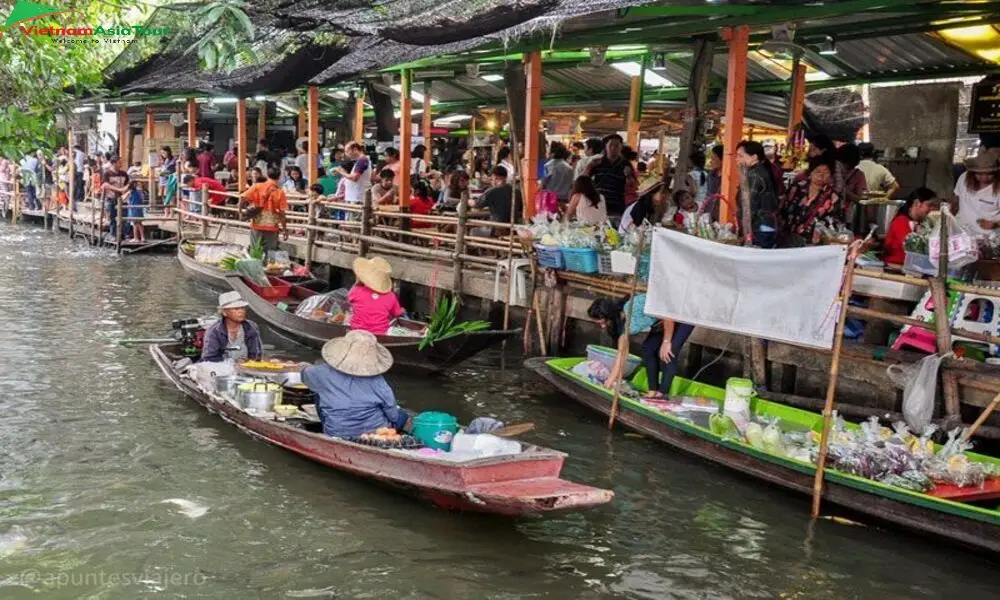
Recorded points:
686,216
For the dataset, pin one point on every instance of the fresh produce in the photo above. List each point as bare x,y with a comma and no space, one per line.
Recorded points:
253,270
444,323
264,365
256,250
228,263
383,434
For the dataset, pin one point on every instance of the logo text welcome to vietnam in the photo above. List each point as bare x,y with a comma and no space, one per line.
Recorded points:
25,11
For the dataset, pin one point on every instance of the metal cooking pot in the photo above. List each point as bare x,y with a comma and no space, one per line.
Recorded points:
227,384
259,396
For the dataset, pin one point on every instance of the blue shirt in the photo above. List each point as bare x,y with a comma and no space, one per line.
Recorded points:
349,406
640,320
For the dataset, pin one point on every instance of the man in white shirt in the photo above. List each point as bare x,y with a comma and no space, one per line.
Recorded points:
79,161
592,150
879,178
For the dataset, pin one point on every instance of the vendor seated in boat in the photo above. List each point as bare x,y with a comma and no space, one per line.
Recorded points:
659,351
233,337
352,396
373,304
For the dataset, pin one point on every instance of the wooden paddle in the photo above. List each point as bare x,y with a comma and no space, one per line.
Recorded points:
982,418
514,430
628,323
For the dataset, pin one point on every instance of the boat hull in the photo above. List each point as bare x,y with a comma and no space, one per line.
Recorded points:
212,277
920,517
524,484
406,351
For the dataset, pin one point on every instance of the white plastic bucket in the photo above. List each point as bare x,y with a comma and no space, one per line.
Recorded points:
739,392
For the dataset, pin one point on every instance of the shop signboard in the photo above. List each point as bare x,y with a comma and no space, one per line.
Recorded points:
984,109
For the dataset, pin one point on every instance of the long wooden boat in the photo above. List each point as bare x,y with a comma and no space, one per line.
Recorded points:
406,353
521,484
213,277
966,524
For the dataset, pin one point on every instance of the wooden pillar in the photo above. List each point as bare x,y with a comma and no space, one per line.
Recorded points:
72,181
463,217
150,149
359,117
634,113
798,98
367,216
311,233
241,143
204,211
123,135
405,137
532,121
736,87
300,130
261,121
428,153
694,112
313,146
192,119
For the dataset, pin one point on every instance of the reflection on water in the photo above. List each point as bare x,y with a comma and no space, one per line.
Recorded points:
114,486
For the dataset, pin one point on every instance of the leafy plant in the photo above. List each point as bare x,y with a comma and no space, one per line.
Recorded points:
443,324
228,263
228,31
256,250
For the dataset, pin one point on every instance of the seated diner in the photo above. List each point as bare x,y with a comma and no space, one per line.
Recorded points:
352,396
233,337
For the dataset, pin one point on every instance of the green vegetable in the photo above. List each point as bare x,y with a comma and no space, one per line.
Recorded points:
443,325
722,425
256,250
228,263
253,270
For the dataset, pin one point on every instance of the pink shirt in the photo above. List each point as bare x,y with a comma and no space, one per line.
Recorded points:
371,311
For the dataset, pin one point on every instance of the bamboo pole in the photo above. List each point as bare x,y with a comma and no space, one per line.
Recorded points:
119,224
366,224
463,213
204,211
982,419
831,388
311,235
628,322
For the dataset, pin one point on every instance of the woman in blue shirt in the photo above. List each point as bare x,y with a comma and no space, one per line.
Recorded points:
659,350
353,397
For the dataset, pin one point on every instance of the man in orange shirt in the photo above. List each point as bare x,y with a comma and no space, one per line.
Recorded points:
267,205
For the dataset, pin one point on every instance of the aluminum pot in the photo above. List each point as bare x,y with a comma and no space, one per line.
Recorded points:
259,396
227,384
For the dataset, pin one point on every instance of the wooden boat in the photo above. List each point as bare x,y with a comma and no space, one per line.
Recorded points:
213,277
522,484
964,523
405,350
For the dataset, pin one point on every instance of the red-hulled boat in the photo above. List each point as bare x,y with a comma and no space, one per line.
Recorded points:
521,484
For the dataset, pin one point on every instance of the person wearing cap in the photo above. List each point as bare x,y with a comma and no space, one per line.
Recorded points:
976,203
352,396
233,336
373,304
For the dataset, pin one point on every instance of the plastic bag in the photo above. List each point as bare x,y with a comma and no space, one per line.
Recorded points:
919,392
546,202
321,306
962,247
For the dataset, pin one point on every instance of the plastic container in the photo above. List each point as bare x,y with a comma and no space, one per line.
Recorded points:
435,429
580,260
606,356
739,393
549,257
278,289
483,445
623,263
920,264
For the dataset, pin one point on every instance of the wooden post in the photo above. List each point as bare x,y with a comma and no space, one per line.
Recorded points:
532,121
640,247
123,135
262,122
311,234
405,137
736,87
694,112
633,118
204,211
831,387
463,216
16,198
359,117
72,181
192,126
313,148
241,143
150,150
798,98
300,128
471,168
366,225
428,152
120,225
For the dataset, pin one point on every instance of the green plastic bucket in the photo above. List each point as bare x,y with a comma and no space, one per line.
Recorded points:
435,429
739,393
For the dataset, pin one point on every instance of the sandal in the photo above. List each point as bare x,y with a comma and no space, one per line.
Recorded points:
655,395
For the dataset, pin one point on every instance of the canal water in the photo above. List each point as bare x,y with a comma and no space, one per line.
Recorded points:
115,486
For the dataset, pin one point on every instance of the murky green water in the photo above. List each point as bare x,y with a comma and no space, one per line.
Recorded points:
115,486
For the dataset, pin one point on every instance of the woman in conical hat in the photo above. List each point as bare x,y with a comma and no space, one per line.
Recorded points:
373,304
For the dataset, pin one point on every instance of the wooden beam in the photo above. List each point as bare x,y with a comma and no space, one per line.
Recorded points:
532,121
359,116
123,135
736,88
241,143
694,112
150,126
300,128
261,121
634,116
428,154
312,174
405,136
798,98
192,119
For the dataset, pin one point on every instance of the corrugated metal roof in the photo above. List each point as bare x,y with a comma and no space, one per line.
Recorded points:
901,53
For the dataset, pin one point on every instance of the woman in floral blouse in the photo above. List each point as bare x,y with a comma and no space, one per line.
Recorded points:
809,201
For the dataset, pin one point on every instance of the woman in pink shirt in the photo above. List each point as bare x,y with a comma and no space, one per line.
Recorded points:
373,304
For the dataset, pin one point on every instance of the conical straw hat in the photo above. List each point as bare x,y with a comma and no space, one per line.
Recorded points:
375,273
358,353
